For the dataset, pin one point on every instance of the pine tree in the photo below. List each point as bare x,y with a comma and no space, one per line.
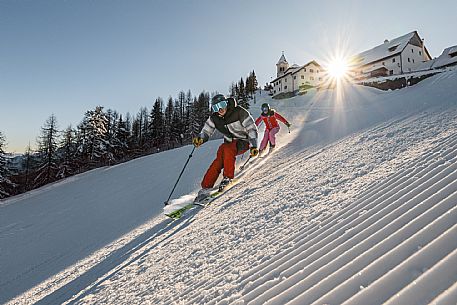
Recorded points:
200,112
94,128
122,138
168,138
242,98
255,82
68,148
5,183
29,163
156,126
47,151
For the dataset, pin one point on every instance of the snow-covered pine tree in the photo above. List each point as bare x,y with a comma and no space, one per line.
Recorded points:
47,152
5,183
94,127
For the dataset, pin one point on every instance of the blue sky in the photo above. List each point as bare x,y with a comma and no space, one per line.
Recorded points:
67,57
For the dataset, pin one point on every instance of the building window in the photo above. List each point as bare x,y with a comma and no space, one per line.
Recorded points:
295,77
302,77
391,72
393,59
412,50
285,87
420,52
285,80
398,64
311,70
413,60
311,78
320,78
409,60
383,63
304,69
317,71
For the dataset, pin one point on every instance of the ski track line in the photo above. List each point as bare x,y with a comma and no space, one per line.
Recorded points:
406,268
388,223
324,241
355,262
447,297
422,290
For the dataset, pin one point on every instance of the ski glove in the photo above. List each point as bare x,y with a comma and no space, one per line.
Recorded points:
288,124
254,151
197,141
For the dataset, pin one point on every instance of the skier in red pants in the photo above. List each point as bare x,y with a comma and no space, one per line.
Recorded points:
269,117
240,134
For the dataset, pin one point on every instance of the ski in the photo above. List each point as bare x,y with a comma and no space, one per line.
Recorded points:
204,202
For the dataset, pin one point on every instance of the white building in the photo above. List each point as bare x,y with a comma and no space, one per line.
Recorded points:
291,79
397,56
447,59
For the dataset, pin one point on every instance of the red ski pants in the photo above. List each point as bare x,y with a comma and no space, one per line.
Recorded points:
225,159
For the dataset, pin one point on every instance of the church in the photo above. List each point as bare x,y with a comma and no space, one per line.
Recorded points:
295,78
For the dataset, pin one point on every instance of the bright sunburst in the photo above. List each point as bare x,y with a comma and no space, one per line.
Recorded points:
338,68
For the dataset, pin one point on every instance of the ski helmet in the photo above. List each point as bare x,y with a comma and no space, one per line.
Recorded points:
219,101
265,108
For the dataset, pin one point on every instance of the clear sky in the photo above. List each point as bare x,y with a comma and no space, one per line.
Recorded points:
67,57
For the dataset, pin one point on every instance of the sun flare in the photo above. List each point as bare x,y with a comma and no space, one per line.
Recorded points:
338,68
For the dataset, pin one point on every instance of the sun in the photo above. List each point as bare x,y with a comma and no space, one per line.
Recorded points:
338,68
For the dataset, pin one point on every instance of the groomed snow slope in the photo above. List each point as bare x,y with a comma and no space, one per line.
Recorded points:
357,206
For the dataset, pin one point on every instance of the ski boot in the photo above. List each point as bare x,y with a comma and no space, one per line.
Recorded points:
202,194
226,181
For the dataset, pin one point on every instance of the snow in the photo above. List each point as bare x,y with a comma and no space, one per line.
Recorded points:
357,205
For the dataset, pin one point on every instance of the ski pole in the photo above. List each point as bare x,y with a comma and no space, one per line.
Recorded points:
190,156
244,164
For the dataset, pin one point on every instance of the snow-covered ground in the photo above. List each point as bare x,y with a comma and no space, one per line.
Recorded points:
358,205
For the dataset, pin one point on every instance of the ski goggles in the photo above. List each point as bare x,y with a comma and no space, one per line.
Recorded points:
265,109
220,105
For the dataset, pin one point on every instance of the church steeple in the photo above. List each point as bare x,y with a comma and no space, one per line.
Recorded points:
282,65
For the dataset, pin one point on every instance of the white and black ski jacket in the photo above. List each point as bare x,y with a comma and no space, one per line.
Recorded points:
236,124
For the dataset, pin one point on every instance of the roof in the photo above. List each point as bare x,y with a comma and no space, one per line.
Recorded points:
282,59
448,57
388,49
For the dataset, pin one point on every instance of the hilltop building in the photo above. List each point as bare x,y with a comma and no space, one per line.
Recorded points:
292,79
397,56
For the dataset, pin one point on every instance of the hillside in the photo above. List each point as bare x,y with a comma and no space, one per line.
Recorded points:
356,206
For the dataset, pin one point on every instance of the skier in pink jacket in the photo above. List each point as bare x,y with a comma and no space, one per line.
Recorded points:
270,118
